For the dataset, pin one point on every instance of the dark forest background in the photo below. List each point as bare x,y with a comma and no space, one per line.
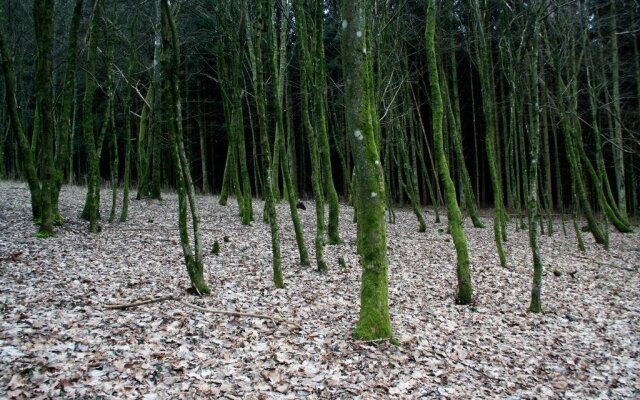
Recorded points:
401,90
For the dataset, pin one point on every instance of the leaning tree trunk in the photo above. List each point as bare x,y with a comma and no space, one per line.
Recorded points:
454,109
306,79
490,130
186,190
320,100
369,192
278,66
29,163
465,292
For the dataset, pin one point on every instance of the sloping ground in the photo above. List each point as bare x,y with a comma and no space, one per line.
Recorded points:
58,340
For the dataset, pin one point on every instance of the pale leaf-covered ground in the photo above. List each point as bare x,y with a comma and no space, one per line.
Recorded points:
57,340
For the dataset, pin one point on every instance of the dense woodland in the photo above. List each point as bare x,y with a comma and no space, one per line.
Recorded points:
529,108
462,154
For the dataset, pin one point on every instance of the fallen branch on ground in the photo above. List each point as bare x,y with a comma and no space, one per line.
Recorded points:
604,264
272,318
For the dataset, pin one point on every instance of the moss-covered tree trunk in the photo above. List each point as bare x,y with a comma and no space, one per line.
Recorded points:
170,60
202,134
369,191
113,137
43,20
598,173
618,144
490,129
320,99
311,130
456,139
28,158
534,155
570,125
278,69
143,145
465,292
126,180
263,121
63,150
230,75
155,127
91,211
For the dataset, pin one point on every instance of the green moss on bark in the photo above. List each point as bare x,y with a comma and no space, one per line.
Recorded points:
369,191
465,292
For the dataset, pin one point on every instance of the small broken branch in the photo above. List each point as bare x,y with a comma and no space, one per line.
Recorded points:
271,318
604,264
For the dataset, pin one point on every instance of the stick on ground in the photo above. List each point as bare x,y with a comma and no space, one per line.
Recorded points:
198,308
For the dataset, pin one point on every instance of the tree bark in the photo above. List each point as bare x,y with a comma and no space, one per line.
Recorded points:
465,292
369,194
43,20
186,190
488,106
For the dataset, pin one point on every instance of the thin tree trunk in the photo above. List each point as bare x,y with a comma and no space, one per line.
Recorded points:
487,103
261,97
203,143
618,145
456,137
43,19
532,201
63,153
91,211
307,81
186,190
465,292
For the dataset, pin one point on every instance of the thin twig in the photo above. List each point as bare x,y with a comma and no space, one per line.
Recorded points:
272,318
604,264
140,303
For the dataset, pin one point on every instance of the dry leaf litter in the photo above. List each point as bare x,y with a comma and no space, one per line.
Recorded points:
57,340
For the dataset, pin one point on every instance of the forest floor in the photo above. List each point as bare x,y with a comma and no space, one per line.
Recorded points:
57,339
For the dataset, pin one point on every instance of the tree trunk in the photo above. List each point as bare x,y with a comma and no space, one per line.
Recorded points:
532,201
186,190
43,19
487,104
465,292
278,66
29,163
63,151
307,82
263,120
617,142
369,193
